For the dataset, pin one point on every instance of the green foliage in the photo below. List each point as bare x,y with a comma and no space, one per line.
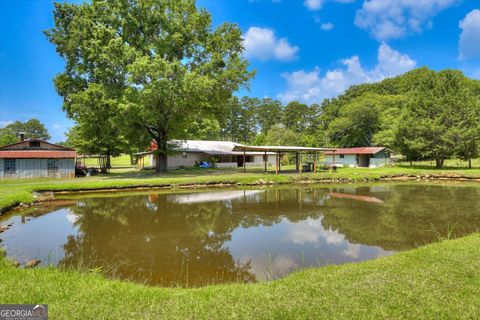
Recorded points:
33,129
269,113
422,114
241,121
158,63
99,125
203,128
279,135
441,119
7,136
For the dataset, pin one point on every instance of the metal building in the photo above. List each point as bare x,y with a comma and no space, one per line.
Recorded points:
36,158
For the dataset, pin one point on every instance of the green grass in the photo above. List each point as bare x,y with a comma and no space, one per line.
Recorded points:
438,281
449,163
120,161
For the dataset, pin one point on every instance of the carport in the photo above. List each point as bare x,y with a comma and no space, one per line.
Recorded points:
280,150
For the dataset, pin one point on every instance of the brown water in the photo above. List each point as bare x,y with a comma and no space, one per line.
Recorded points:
233,235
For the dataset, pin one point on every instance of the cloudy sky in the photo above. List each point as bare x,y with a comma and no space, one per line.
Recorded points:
303,50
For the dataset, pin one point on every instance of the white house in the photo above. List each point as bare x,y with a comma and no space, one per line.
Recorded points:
363,157
219,153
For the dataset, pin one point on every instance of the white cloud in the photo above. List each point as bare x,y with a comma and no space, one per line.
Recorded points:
313,4
353,250
327,26
390,19
469,44
4,123
262,44
56,126
311,87
312,231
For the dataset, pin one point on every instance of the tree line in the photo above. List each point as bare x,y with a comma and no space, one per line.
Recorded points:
422,114
152,69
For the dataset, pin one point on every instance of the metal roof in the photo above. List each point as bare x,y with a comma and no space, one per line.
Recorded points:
240,147
208,147
37,154
360,150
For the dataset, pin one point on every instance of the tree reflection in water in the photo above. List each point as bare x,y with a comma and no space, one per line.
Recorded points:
199,238
175,239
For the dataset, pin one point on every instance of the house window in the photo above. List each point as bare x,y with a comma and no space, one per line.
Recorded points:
184,155
10,166
52,166
342,156
34,144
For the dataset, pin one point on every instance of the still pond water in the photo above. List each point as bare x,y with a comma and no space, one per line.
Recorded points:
196,238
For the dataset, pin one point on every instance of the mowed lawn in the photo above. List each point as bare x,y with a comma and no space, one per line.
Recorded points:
120,161
438,281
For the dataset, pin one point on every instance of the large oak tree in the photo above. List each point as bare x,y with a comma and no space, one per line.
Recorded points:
159,60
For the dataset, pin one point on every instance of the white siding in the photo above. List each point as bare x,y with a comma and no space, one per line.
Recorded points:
349,160
178,160
37,168
258,161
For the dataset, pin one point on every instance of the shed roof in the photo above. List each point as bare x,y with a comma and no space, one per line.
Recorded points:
360,150
37,154
206,146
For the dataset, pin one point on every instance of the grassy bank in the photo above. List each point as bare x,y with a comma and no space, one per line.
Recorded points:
13,192
438,281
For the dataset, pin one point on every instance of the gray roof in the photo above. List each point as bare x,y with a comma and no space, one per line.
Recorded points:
209,147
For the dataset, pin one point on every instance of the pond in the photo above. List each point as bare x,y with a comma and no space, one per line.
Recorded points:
195,238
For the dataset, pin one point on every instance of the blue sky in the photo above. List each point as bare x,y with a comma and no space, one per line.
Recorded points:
303,50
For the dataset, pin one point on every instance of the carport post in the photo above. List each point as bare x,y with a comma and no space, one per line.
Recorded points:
276,162
296,162
300,168
244,161
315,163
279,162
265,159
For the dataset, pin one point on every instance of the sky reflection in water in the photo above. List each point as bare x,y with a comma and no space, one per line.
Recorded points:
220,236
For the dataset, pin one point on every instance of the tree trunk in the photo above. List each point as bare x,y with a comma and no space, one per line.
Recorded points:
132,160
469,163
411,163
108,164
161,155
439,163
